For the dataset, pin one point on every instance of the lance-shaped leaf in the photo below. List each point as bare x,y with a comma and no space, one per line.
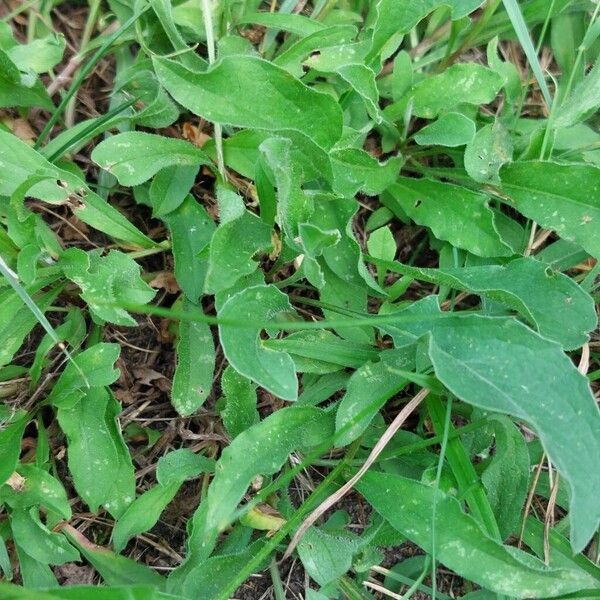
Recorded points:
552,302
561,197
269,97
460,542
134,156
243,348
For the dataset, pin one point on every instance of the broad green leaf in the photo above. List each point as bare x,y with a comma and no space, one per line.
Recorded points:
453,213
355,170
134,156
40,488
243,348
5,564
17,321
193,378
143,513
94,367
297,24
467,83
487,152
506,478
239,412
450,129
77,592
179,465
326,556
395,18
371,386
499,364
460,542
261,449
559,308
285,102
170,188
362,80
34,574
15,90
38,541
10,444
97,457
191,229
106,282
561,197
381,244
233,249
39,56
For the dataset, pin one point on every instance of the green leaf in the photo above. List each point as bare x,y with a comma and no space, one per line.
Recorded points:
285,102
524,375
182,464
453,213
557,196
106,282
506,478
16,90
487,152
233,248
273,370
34,538
97,456
191,229
261,449
170,187
134,156
467,83
582,102
449,129
193,378
370,387
381,244
76,592
142,514
39,56
239,412
460,542
559,308
325,556
10,444
355,170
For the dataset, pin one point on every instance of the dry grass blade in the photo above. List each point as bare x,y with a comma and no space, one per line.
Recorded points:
377,450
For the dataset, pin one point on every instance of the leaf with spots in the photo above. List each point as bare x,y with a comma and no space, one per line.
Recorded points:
453,213
193,379
562,197
460,542
552,302
134,156
274,370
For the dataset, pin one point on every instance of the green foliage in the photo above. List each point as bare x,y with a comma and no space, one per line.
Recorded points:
281,226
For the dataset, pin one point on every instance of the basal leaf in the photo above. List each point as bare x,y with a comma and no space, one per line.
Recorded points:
460,542
134,156
453,213
239,412
284,101
467,83
561,197
182,464
243,348
102,475
233,249
106,281
372,385
552,302
170,188
193,378
450,129
10,444
191,229
499,364
484,155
